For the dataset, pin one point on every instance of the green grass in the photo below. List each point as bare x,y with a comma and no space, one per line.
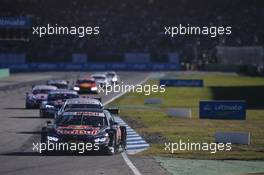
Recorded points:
153,123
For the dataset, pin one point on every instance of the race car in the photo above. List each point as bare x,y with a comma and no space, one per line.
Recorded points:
96,127
55,100
60,84
79,103
101,80
86,85
113,77
38,94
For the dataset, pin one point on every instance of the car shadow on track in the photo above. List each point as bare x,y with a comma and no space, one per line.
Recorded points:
27,117
32,153
29,132
17,108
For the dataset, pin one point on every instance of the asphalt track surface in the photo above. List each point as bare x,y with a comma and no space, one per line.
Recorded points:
19,128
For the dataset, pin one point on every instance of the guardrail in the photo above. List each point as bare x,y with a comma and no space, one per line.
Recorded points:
29,67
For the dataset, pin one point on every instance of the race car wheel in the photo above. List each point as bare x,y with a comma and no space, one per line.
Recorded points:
43,139
44,132
123,137
41,114
112,146
28,106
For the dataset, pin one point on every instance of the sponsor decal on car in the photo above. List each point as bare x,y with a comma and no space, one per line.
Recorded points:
78,130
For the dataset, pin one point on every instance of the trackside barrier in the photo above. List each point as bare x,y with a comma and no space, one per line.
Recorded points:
4,73
153,101
233,137
223,109
29,67
179,112
181,83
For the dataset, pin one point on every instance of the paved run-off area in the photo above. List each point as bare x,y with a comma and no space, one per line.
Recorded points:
178,166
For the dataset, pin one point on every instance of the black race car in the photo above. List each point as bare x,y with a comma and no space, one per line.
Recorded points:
55,101
60,84
96,127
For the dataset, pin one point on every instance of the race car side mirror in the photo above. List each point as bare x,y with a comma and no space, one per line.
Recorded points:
113,123
114,110
48,122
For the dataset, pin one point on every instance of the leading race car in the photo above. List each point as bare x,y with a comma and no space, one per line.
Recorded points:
55,100
38,94
113,77
101,80
86,85
96,127
60,84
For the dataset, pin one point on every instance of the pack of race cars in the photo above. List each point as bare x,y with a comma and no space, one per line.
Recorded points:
78,119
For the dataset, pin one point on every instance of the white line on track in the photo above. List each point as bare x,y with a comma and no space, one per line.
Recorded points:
124,155
130,164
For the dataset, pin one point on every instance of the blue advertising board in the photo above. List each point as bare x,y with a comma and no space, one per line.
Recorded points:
181,83
15,22
89,66
218,109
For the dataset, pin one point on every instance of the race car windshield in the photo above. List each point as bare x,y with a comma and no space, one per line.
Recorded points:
110,74
53,97
85,81
41,91
81,106
94,121
99,78
61,86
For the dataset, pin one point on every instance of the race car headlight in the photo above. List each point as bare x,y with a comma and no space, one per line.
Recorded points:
94,88
101,139
49,106
50,138
76,88
114,79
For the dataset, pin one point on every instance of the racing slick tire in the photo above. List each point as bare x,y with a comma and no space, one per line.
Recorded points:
41,115
111,149
28,106
123,143
43,139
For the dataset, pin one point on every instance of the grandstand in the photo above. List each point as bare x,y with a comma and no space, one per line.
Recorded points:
131,26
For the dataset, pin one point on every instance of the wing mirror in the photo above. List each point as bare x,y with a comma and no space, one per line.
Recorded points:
113,110
114,123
